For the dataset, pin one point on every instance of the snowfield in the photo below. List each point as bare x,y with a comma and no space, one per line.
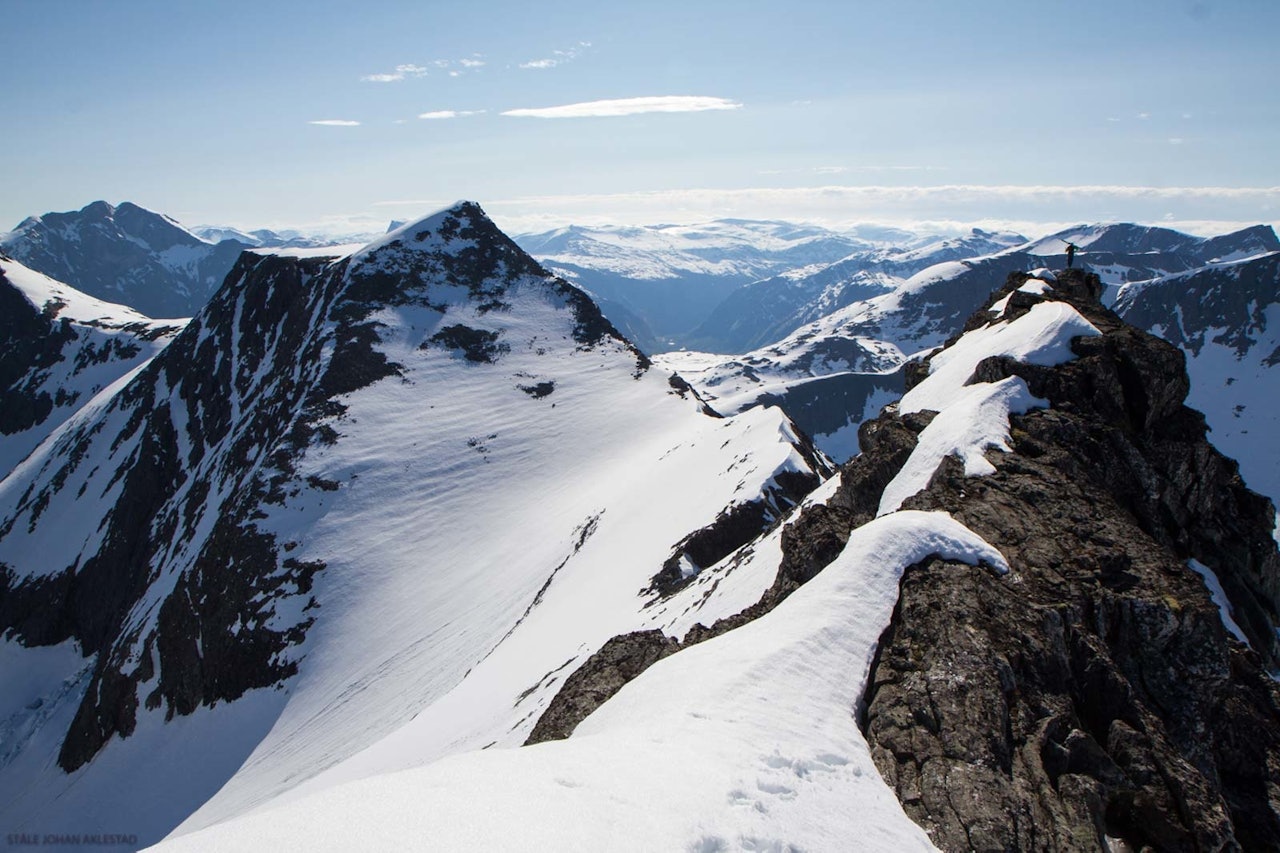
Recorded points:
760,753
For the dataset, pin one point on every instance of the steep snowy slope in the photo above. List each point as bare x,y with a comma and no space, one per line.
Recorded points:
125,254
414,484
1226,320
58,349
745,742
1118,712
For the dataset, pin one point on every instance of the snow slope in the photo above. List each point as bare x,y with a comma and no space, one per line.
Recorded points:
744,742
757,722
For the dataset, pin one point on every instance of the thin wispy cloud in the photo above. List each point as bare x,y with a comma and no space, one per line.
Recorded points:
837,206
840,170
629,106
446,114
335,122
557,57
402,72
410,70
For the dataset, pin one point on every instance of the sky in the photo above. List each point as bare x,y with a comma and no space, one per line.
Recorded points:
338,117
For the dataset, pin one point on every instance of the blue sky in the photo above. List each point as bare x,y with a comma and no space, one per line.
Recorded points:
833,112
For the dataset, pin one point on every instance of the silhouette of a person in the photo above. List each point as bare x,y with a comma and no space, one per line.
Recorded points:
1072,248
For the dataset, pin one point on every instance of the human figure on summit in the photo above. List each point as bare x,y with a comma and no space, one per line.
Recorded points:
1072,248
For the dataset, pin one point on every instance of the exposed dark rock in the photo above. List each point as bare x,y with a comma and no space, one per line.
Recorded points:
618,661
478,345
732,529
1093,691
683,389
538,390
29,341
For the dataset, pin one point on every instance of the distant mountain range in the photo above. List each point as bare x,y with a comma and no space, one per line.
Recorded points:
129,255
659,282
822,375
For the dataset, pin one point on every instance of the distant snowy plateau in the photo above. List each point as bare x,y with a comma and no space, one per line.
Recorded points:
741,536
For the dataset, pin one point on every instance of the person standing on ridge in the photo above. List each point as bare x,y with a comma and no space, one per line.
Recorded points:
1072,248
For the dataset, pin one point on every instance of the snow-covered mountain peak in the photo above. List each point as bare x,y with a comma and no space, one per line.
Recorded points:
451,230
430,468
124,254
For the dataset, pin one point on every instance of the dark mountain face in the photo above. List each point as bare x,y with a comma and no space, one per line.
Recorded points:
243,422
1226,320
1224,305
125,254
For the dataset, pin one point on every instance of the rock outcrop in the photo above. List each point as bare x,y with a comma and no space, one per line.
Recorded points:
1094,692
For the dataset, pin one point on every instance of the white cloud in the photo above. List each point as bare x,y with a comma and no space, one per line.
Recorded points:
629,106
442,114
1176,140
335,122
558,57
407,70
402,72
1029,209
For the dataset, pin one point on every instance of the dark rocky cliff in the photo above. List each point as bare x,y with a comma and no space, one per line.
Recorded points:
1093,693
